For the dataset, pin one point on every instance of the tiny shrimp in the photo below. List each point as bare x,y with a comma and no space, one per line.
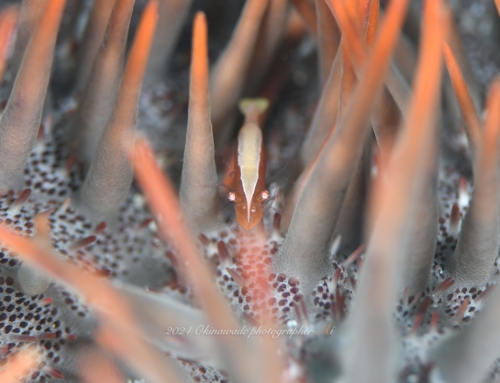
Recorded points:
249,179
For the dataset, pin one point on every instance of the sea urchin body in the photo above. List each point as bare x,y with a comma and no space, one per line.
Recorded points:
363,238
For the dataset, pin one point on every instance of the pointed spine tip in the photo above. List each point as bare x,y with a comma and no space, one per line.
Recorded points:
198,191
136,66
200,65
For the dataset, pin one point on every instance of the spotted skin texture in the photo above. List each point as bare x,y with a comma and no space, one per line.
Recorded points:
60,323
129,252
333,296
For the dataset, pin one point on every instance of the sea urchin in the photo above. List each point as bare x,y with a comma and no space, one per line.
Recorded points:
366,253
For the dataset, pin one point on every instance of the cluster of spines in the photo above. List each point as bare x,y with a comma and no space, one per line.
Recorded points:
334,170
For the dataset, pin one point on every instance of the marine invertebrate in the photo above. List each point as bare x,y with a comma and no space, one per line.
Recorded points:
127,278
249,179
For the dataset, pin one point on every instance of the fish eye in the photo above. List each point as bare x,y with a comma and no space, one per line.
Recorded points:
253,210
265,195
231,196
